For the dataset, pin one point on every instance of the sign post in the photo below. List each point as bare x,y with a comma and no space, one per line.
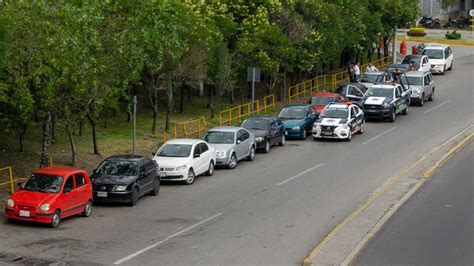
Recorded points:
253,75
134,123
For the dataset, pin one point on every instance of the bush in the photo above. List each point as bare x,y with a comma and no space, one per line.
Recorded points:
453,35
416,32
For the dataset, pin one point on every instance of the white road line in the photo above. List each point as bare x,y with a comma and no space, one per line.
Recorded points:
131,256
379,135
300,174
437,106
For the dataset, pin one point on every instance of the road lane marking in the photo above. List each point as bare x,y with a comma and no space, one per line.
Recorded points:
379,135
133,255
437,106
300,174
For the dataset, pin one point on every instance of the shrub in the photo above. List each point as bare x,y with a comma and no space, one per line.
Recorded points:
453,35
416,32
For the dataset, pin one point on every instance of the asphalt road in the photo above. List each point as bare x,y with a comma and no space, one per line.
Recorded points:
436,226
272,210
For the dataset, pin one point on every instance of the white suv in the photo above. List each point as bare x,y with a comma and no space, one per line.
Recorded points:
441,57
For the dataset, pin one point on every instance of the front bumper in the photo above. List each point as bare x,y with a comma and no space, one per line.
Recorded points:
437,69
377,113
291,133
37,217
124,196
174,175
222,161
416,97
337,133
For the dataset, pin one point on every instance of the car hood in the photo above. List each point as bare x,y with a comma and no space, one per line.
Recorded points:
222,147
104,179
376,100
31,198
170,162
259,133
290,123
415,88
330,121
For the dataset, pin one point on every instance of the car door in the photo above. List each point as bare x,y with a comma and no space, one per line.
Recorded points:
352,118
206,156
197,159
281,129
81,190
450,57
310,118
397,99
68,199
247,142
144,181
425,66
239,144
359,116
431,85
151,171
274,132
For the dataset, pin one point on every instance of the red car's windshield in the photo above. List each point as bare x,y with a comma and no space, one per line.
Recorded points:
318,100
44,183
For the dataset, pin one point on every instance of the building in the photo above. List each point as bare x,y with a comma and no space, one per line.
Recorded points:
433,8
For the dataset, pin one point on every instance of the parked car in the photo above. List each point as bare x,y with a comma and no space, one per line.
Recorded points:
232,145
268,131
422,86
403,68
320,99
353,91
298,120
441,57
370,78
185,159
386,101
339,121
125,178
51,194
421,62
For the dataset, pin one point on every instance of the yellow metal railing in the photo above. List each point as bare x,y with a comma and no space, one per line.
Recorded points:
268,103
238,113
187,129
10,178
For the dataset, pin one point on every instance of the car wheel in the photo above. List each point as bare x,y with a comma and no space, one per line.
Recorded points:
393,116
431,98
451,66
405,111
283,140
232,161
267,146
362,127
134,199
210,170
305,134
87,209
422,100
191,177
251,156
444,69
156,187
349,135
56,219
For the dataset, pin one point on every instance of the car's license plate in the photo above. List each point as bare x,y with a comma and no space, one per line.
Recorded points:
101,194
326,133
372,111
24,214
163,174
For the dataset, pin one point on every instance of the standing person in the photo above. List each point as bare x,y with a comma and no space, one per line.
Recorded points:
356,72
371,68
396,75
350,72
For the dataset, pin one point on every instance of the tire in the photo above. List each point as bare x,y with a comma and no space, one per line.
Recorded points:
283,141
315,139
87,209
422,100
305,134
393,116
349,136
405,111
156,187
451,66
251,156
191,177
134,199
232,161
431,98
362,128
267,146
210,170
444,70
55,219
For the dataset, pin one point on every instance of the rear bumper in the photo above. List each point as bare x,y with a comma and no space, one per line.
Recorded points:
37,217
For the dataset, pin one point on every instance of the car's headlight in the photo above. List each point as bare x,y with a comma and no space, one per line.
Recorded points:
439,65
316,126
296,128
10,203
345,127
386,105
44,207
120,188
258,139
180,168
220,154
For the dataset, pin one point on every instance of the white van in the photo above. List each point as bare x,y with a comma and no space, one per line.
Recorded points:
441,57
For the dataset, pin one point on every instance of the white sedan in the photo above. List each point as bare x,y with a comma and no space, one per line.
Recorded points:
184,159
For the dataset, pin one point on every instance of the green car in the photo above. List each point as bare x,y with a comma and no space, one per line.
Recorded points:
298,120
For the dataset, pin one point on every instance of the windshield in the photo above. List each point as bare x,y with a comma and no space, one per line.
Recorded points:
416,81
320,100
217,137
118,168
433,54
334,113
369,78
44,183
174,150
256,124
411,59
292,113
379,92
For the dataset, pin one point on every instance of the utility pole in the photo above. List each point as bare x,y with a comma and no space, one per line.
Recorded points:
134,123
394,45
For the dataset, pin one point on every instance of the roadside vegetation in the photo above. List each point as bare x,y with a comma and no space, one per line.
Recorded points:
69,69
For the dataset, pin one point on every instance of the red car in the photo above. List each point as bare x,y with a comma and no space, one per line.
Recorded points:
51,194
320,99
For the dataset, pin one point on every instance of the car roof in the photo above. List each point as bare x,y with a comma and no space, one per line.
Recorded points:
325,94
355,84
416,73
126,157
434,45
225,128
398,65
414,56
269,117
374,73
297,105
338,105
183,141
384,85
57,170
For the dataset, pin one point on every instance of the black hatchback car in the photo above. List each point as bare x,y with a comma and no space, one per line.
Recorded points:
268,131
125,178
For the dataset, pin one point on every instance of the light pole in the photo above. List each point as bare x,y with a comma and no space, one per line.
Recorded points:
394,46
134,123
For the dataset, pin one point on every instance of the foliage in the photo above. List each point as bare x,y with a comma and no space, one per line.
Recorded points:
454,35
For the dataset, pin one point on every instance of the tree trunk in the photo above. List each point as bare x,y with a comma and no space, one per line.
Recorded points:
81,127
105,118
94,134
24,127
73,145
53,128
385,47
153,126
46,140
181,100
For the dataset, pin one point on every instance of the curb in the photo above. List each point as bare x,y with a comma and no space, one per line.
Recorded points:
309,259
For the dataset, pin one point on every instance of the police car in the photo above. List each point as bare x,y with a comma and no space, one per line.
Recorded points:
339,121
386,101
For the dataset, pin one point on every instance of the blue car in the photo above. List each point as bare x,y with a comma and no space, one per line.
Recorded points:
298,120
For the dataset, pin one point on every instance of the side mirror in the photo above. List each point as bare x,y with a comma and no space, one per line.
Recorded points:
19,184
196,155
239,141
273,127
153,153
67,190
